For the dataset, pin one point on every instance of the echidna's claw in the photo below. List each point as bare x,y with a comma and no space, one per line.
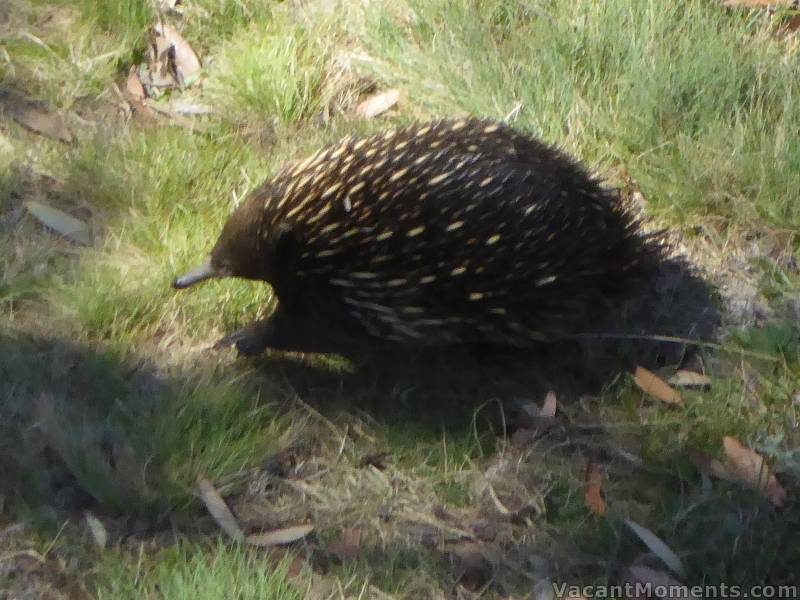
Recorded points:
247,341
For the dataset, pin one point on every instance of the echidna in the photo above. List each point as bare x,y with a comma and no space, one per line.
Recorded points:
439,233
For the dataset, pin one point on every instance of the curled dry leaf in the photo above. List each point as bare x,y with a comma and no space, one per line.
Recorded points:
658,547
187,64
594,490
653,385
689,379
59,221
219,509
749,467
378,104
278,537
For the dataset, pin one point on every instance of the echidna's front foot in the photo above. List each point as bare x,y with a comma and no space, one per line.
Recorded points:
286,332
249,341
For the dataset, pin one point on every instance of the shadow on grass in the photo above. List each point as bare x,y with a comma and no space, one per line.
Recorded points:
81,429
444,386
86,413
65,410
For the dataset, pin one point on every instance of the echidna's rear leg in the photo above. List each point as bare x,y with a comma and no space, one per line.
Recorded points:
281,331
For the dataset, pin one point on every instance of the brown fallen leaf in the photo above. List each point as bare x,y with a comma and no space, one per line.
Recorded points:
59,221
378,104
279,537
653,385
658,547
219,509
348,544
594,490
187,64
750,468
689,379
42,122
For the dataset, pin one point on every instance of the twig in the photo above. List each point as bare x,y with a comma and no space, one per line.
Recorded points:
669,339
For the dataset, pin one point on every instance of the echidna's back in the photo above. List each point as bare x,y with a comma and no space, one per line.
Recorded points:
456,231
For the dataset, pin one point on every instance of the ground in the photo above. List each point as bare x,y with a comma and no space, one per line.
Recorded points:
423,473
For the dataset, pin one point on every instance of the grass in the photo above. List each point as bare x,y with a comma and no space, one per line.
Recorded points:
667,93
111,401
189,571
277,70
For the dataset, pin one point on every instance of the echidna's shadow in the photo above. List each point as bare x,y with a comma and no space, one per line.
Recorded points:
445,385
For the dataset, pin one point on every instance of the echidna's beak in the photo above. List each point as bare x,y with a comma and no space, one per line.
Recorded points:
201,273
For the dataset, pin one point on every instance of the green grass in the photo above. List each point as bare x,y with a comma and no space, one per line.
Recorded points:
191,571
272,71
112,401
696,103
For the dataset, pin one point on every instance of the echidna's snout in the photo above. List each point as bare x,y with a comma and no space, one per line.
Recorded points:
196,275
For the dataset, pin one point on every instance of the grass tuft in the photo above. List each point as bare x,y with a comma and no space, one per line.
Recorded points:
203,573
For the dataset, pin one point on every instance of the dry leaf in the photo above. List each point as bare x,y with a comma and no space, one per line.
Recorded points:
97,529
594,490
658,547
59,221
549,407
279,537
377,104
219,509
652,384
187,64
750,468
347,545
44,123
689,379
